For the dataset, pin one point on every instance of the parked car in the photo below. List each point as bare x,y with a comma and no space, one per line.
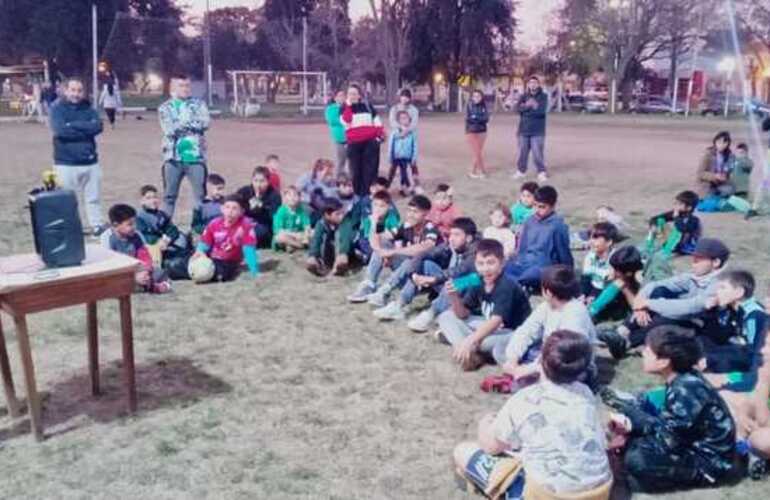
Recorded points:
759,108
655,105
575,102
714,105
595,105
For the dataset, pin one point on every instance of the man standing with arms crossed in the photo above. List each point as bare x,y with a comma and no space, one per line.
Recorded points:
533,107
184,120
75,125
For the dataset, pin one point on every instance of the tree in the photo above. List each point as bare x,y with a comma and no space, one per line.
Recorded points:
390,29
468,37
330,40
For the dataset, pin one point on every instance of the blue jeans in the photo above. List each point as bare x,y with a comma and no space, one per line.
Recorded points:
535,144
526,276
398,263
410,290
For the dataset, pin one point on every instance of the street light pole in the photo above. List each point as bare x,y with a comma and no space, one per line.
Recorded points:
304,64
94,56
207,69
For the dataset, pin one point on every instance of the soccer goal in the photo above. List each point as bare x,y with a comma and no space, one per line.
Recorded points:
21,89
253,89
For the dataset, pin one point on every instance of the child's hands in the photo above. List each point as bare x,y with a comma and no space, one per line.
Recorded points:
450,287
143,277
711,302
619,423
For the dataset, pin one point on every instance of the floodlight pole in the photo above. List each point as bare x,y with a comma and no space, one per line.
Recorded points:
95,57
208,73
304,64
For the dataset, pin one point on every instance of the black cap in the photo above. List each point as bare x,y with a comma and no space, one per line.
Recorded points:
712,248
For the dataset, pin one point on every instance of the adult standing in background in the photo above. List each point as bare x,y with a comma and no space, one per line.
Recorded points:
184,120
476,119
337,132
75,125
533,107
405,104
364,133
110,101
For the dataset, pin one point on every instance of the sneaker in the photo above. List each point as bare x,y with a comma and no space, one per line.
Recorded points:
758,467
419,190
161,287
440,338
751,213
380,297
518,175
542,177
391,312
421,323
615,342
365,288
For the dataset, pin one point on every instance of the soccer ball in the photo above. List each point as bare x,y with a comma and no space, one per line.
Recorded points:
201,270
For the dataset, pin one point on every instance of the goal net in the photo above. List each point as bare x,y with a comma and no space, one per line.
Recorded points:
21,91
251,91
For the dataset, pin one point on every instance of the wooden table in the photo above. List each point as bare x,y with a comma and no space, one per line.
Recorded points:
26,287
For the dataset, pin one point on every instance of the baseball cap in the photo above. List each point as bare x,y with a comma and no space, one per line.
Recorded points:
712,248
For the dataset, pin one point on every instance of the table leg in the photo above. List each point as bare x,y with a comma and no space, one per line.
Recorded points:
93,346
5,368
127,332
33,400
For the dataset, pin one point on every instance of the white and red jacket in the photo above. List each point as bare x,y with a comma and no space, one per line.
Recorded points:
361,123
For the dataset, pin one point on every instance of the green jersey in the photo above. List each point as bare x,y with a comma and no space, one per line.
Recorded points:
520,213
292,221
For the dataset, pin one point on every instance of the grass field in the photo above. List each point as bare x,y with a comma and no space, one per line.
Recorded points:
280,389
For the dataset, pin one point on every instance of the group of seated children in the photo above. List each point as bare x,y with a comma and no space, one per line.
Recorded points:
702,332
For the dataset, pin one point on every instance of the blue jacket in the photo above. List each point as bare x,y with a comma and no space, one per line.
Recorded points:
403,148
532,121
74,127
544,242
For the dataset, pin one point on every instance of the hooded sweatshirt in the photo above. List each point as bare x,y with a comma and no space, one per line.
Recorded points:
532,121
692,292
544,242
74,127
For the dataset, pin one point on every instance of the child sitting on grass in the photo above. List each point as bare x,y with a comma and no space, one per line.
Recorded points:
444,211
690,442
562,309
291,223
155,226
676,300
543,242
429,271
548,441
500,230
614,301
124,238
686,226
383,217
487,313
211,207
596,264
734,333
273,164
262,201
229,240
394,250
525,206
345,193
323,255
317,186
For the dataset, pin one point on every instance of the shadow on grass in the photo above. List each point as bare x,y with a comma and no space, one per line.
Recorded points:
69,405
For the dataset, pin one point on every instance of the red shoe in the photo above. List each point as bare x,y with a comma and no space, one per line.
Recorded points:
502,384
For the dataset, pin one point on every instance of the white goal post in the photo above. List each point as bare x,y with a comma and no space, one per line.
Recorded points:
253,88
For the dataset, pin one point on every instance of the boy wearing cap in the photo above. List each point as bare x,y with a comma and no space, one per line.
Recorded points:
544,241
675,300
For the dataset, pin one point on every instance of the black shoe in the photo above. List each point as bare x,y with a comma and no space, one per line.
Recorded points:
616,400
758,467
751,213
616,343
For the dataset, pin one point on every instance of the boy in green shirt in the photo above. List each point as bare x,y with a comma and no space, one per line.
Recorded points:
291,223
323,252
525,207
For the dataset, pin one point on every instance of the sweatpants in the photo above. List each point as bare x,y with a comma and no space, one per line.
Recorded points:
341,153
88,180
651,468
364,164
173,173
535,144
456,330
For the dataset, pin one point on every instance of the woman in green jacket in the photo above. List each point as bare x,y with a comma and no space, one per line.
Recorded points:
337,131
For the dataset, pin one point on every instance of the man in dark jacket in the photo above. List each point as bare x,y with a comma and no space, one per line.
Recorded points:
532,106
75,125
544,242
